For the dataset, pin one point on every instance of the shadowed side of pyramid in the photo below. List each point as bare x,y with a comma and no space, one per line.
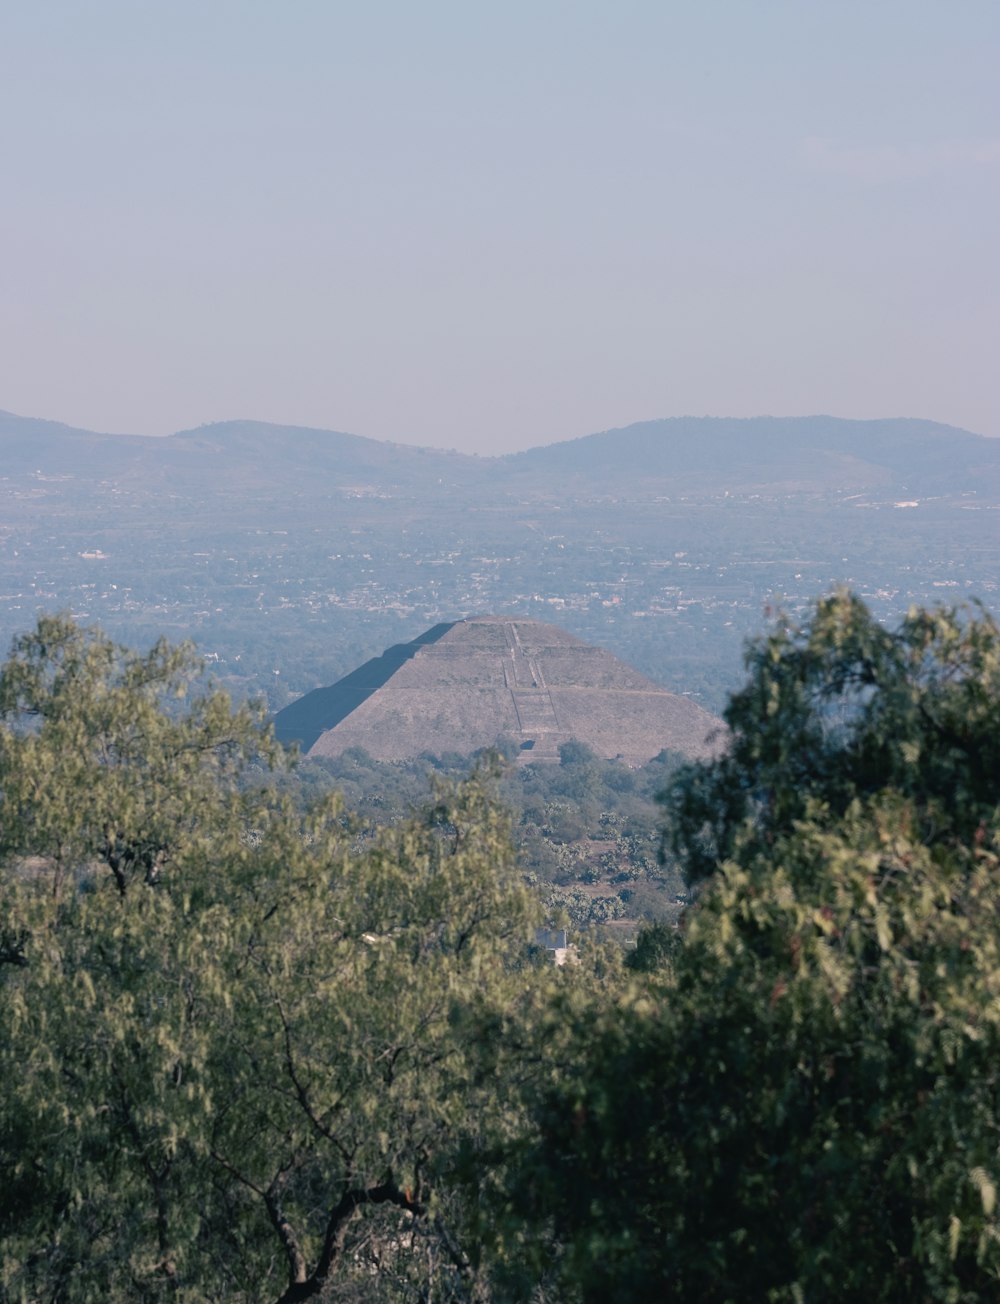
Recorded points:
312,715
467,685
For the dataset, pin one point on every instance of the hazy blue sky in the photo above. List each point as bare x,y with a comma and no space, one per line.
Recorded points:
487,226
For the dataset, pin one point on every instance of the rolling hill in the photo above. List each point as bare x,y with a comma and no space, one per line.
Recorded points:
815,454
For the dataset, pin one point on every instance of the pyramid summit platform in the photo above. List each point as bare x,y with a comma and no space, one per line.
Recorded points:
465,685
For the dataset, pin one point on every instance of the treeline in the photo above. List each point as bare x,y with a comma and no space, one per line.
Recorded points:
255,1049
588,832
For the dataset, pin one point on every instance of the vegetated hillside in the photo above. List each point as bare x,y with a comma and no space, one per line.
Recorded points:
817,453
588,831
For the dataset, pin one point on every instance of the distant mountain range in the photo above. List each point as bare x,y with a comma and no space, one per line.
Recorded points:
786,452
226,455
696,455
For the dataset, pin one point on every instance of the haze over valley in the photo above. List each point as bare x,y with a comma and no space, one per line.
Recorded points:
291,555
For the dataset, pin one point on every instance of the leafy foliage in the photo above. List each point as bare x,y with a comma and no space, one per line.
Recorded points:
254,1050
232,1059
801,1103
586,830
100,760
843,709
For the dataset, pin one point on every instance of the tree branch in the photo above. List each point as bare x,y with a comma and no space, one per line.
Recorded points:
308,1287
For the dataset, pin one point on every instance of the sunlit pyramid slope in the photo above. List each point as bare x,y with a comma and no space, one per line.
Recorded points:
462,686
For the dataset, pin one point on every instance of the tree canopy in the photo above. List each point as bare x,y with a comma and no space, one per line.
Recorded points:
255,1050
799,1100
232,1062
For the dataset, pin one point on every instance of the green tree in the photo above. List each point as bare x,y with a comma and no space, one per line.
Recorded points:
112,757
844,709
802,1102
233,1062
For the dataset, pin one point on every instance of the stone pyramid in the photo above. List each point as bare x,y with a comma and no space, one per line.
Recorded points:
465,685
